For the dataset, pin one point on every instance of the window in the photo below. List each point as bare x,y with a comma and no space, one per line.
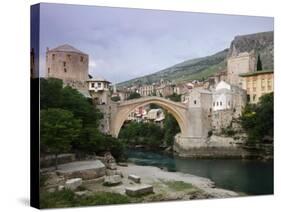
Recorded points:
254,97
99,84
194,102
65,70
69,56
92,84
49,70
53,56
64,63
220,103
214,104
217,103
81,59
228,103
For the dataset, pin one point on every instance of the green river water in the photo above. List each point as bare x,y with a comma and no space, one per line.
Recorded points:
252,177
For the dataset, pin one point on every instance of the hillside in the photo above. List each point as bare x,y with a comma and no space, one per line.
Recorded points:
201,68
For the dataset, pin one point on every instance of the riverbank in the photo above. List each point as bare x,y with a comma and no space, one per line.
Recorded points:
167,186
156,176
161,180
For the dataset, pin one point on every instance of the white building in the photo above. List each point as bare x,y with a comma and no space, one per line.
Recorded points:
222,97
99,90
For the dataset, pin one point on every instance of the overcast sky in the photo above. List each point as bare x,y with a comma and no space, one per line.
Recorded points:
128,43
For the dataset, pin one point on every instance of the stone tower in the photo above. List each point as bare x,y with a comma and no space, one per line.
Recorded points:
69,64
239,64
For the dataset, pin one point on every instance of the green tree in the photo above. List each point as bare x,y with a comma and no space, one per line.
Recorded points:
171,128
58,129
50,93
134,95
175,97
115,98
257,120
259,64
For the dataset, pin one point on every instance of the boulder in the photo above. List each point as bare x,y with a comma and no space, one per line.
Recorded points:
134,178
53,179
73,184
112,180
111,166
86,170
61,187
122,164
110,172
139,190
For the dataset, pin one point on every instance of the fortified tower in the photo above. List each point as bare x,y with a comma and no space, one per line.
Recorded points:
69,64
239,64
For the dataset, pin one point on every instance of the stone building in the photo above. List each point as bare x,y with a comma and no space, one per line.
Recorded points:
99,90
242,63
147,90
257,84
69,64
228,103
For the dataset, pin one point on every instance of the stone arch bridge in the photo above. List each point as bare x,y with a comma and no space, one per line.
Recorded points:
193,122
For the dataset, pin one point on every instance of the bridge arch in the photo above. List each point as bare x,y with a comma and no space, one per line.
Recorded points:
178,110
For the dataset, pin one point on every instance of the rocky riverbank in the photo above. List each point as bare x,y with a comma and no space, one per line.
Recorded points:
166,186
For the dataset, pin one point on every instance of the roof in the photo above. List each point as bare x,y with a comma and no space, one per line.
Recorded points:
66,48
97,79
256,73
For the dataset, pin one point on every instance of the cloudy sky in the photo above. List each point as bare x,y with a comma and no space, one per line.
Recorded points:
128,43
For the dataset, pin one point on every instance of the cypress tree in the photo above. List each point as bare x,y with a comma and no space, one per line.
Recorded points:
259,64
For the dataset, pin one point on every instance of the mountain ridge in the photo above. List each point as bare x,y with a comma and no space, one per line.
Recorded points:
203,67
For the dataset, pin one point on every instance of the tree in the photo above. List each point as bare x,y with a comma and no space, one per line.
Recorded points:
259,64
58,129
175,97
134,95
115,98
171,128
257,120
50,93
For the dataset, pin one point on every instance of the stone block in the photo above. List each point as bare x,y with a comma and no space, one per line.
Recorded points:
134,178
86,170
111,166
73,184
139,190
112,180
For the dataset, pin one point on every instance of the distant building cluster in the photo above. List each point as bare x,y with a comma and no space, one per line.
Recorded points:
222,95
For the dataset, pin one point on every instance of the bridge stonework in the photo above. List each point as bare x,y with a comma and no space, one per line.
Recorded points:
194,123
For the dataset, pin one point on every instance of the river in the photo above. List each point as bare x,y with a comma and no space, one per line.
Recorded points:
251,177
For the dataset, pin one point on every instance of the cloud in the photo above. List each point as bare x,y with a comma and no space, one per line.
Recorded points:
127,43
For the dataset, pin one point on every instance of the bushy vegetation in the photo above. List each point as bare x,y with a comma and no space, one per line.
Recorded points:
134,95
67,198
179,185
174,97
69,122
257,120
150,134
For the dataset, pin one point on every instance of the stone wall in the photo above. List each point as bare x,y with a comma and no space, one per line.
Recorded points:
67,65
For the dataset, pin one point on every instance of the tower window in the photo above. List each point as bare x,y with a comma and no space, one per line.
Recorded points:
53,56
49,70
220,103
194,102
81,59
69,56
65,70
64,63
